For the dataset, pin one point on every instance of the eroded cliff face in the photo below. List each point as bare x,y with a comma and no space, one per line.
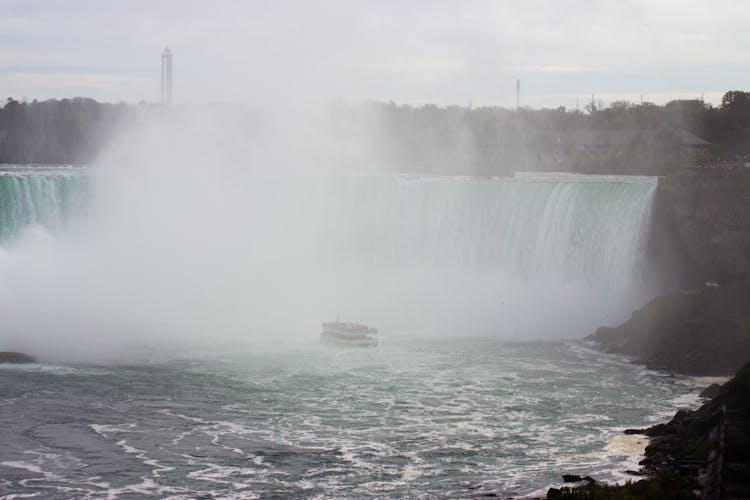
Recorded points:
703,331
700,227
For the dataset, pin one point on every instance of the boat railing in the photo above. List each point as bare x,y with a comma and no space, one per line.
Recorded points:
349,327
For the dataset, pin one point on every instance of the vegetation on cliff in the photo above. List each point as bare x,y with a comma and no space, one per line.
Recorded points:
662,486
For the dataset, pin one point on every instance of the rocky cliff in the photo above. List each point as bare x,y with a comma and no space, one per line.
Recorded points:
700,227
699,331
709,444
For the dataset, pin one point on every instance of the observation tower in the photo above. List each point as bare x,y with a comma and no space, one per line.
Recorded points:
166,76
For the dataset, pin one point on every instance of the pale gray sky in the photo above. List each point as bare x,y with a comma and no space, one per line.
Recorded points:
440,51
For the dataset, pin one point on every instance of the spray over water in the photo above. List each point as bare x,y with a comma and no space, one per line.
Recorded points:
197,229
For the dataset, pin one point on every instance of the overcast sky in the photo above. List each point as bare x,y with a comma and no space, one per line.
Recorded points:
408,51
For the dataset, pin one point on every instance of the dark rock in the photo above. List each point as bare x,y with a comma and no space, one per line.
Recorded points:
695,332
554,493
572,478
711,391
635,472
16,358
700,231
634,431
692,440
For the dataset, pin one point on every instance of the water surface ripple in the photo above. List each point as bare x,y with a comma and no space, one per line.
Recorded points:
413,418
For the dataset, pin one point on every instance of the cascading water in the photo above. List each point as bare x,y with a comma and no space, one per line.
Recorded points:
527,257
575,227
51,198
484,256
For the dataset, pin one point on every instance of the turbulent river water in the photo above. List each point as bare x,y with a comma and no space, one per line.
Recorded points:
230,277
412,418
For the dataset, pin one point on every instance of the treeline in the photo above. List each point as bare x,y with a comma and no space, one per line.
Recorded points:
622,137
58,131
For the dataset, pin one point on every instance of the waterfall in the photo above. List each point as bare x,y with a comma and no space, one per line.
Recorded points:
53,200
527,257
539,256
574,227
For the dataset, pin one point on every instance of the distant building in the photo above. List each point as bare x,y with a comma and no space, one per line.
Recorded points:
590,139
166,76
619,138
642,151
593,140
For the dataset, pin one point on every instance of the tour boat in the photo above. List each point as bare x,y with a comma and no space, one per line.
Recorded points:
349,334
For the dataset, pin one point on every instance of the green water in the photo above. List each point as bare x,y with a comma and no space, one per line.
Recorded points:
52,198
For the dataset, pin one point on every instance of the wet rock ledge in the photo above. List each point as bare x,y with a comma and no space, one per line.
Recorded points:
15,357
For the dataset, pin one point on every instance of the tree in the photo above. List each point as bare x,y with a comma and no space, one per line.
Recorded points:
736,100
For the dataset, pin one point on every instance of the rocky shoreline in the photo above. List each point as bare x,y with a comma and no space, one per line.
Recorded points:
698,454
703,453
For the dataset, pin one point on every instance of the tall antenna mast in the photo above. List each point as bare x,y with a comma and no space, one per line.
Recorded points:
166,76
518,94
